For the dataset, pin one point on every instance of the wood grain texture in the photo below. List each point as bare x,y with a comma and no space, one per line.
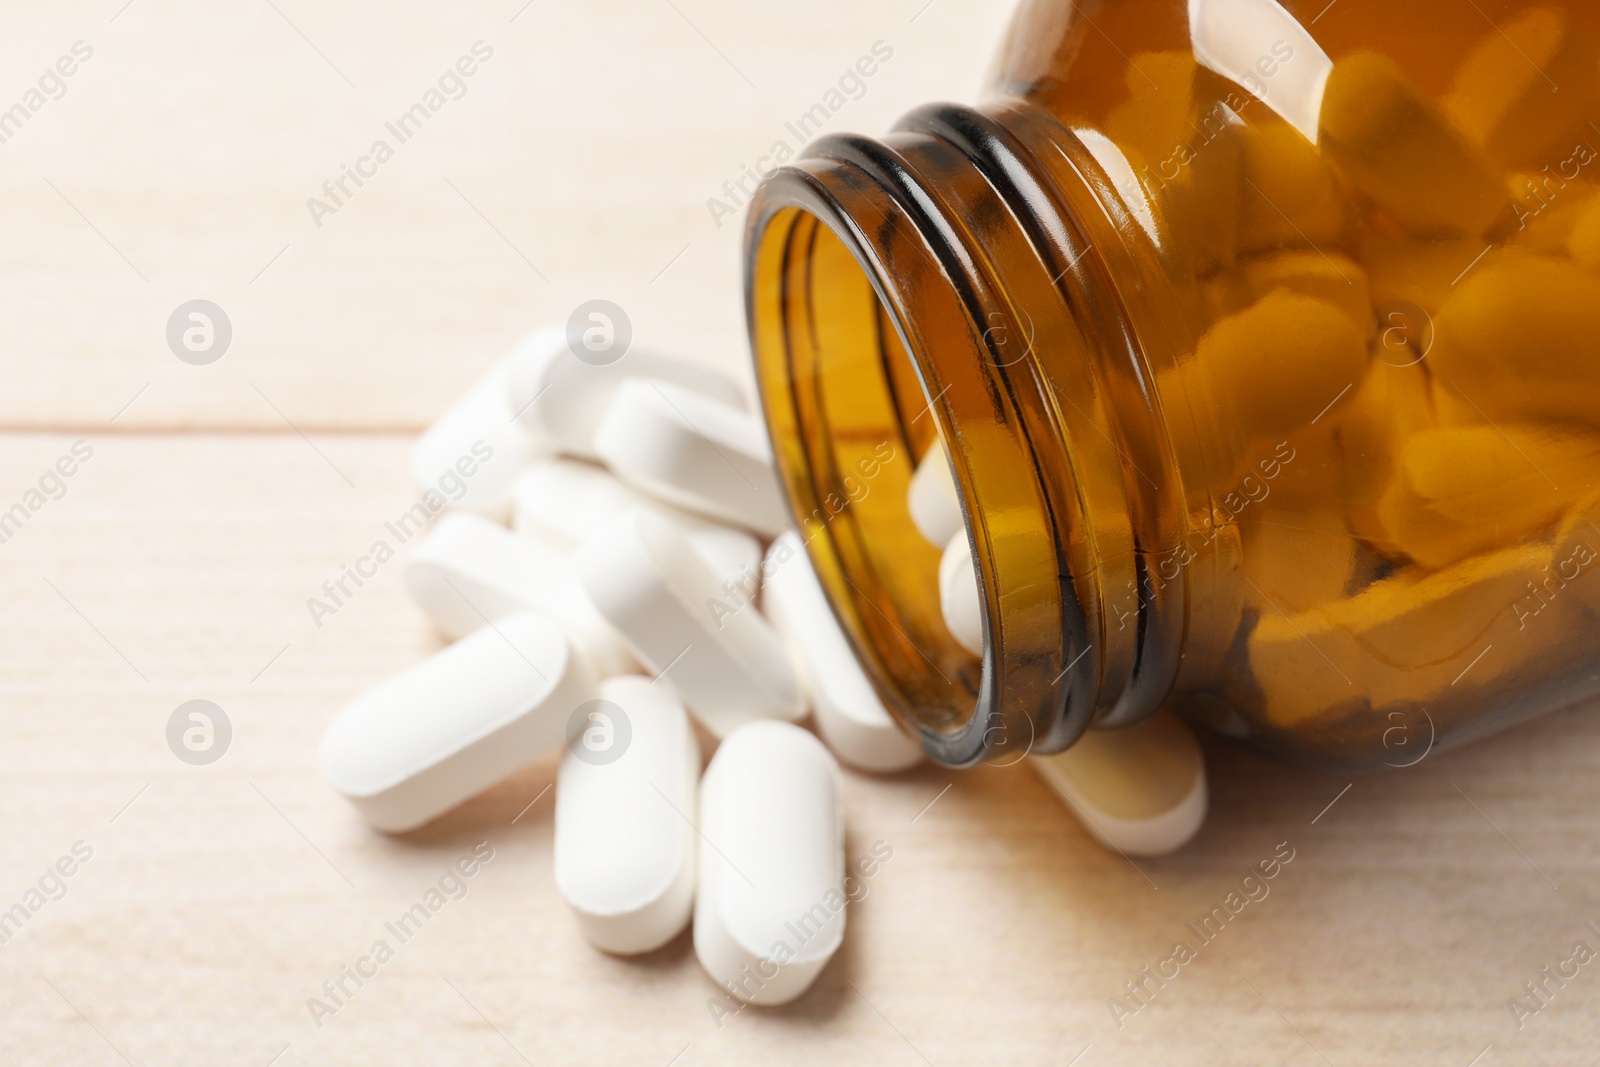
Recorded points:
577,164
177,565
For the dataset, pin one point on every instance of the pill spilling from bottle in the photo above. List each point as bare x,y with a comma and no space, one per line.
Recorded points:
620,571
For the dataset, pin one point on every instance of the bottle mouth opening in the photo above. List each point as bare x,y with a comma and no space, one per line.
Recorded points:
874,334
851,417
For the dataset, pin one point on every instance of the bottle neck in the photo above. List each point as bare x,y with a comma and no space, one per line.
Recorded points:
955,279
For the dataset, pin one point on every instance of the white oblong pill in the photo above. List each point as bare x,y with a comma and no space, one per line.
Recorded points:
849,713
769,910
471,454
468,571
932,498
626,798
420,743
561,398
566,502
1139,790
692,451
726,661
958,594
734,556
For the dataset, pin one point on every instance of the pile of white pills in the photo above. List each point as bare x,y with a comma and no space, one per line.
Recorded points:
619,562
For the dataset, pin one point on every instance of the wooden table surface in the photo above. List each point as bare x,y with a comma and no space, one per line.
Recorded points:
216,900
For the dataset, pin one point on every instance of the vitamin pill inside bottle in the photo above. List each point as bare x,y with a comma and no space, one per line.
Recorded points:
1262,347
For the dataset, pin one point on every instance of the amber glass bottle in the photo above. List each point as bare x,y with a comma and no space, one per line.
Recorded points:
1265,343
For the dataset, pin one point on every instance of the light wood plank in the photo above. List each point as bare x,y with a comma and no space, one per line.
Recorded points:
578,164
217,903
